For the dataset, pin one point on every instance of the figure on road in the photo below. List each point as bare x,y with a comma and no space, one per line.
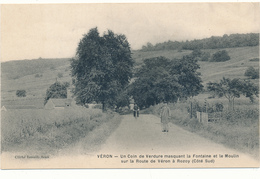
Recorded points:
165,116
136,111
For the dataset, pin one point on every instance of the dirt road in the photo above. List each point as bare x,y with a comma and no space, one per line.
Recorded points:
139,143
144,136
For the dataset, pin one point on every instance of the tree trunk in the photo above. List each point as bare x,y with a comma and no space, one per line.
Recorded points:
103,107
231,104
191,109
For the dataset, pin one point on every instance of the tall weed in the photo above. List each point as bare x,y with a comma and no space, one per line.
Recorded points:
48,129
238,129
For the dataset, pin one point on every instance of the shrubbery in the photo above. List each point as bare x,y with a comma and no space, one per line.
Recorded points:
57,90
200,56
38,75
252,73
220,56
60,75
254,60
21,93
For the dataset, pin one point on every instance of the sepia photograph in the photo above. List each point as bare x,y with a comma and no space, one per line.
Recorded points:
130,85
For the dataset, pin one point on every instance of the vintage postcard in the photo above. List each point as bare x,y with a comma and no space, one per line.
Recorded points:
130,85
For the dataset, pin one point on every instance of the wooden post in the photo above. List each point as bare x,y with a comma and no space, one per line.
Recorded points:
191,109
205,105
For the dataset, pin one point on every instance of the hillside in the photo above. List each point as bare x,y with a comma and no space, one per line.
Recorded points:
211,71
21,68
35,76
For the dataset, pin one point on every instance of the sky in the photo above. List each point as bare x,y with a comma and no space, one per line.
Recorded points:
54,30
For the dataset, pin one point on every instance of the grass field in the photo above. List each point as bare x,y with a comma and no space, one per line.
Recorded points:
48,131
212,71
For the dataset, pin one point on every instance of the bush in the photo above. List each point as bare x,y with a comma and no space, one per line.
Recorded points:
60,75
220,56
254,60
21,93
252,73
56,90
199,55
205,56
196,53
37,76
97,106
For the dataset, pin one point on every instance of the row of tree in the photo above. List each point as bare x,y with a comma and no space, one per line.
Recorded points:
102,70
226,41
103,66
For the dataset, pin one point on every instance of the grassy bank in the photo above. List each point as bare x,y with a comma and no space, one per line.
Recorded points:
238,129
48,131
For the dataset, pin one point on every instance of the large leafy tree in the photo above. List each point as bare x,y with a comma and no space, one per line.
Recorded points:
102,67
188,76
161,79
233,88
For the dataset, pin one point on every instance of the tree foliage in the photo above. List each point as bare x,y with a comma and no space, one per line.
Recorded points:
214,42
21,93
252,73
220,56
122,99
56,90
233,88
200,55
102,67
161,79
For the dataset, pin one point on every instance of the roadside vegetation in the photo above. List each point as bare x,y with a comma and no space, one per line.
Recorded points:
237,129
40,131
252,73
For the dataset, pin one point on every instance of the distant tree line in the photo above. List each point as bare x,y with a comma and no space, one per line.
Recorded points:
226,41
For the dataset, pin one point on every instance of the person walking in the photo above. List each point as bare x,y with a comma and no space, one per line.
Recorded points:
136,111
165,115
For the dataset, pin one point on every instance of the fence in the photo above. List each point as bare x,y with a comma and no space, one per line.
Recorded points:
204,117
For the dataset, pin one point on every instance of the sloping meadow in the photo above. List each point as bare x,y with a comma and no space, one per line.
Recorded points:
48,131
